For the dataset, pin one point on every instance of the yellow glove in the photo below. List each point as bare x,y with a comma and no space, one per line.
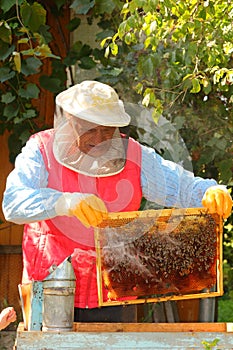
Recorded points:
88,208
218,200
91,211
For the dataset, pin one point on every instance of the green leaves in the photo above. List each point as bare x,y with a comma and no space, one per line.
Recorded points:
105,6
5,32
6,5
29,92
82,6
10,111
223,76
60,3
51,84
24,39
201,33
7,98
5,40
181,64
80,54
209,345
28,114
6,74
30,66
147,65
5,50
74,24
33,16
196,86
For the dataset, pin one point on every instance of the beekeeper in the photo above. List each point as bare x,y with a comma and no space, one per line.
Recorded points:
68,178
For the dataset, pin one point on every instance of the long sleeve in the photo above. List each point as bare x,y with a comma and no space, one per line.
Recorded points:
168,184
26,197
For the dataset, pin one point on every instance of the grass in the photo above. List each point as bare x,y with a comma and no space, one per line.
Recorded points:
225,308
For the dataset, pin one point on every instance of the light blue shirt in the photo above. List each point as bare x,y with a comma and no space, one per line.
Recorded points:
28,199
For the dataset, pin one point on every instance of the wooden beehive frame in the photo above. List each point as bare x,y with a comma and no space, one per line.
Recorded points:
159,216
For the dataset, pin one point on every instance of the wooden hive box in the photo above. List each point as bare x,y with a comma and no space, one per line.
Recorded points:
159,255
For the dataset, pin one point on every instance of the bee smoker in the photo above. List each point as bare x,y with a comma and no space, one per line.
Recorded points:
58,303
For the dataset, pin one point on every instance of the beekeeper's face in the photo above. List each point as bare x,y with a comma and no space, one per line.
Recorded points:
92,139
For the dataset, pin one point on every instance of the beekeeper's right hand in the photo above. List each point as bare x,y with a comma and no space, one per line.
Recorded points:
88,208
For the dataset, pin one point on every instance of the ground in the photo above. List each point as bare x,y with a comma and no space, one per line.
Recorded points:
7,340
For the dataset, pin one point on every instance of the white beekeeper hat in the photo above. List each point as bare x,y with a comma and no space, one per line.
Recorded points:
95,102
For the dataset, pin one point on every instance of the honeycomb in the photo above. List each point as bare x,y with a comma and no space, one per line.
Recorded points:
158,253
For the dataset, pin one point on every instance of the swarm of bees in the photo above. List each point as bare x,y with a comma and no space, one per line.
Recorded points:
172,257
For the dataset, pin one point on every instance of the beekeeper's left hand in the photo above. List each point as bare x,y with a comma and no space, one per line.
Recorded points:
218,200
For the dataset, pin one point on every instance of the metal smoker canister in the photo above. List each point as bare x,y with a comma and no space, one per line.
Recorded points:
58,303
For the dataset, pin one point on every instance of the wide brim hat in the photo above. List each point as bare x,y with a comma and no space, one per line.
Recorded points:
94,102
